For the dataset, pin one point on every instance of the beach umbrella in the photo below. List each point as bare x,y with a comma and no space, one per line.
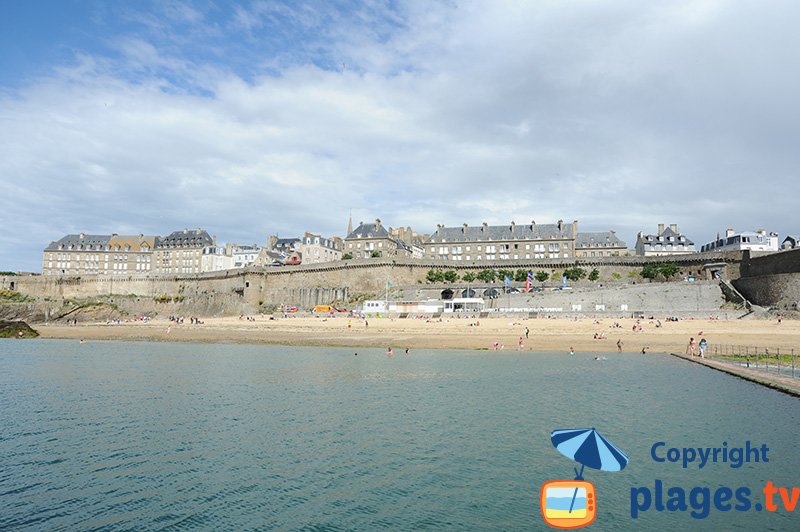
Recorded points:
588,448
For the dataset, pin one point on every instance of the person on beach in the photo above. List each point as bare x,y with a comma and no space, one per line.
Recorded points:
495,345
349,324
619,345
571,351
703,346
389,352
644,349
526,332
521,344
692,347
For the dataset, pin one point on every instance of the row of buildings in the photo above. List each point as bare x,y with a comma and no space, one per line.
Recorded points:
195,251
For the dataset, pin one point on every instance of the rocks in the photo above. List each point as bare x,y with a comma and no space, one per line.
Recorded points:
16,329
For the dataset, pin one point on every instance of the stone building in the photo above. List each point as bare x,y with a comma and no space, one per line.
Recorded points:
181,252
668,241
315,248
502,242
602,244
82,254
374,240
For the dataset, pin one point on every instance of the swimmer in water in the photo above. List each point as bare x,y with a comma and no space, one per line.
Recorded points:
389,352
571,351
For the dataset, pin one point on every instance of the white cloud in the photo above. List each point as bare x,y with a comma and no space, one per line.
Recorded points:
620,115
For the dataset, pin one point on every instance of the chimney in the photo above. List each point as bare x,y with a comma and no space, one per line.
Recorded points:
377,224
533,226
82,236
484,227
114,234
674,228
660,228
272,241
574,228
513,225
464,229
728,232
560,225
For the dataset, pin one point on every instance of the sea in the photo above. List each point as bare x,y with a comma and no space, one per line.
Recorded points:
177,436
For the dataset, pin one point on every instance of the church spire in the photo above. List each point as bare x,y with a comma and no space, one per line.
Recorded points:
350,223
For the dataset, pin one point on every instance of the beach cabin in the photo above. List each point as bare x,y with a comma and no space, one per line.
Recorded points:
464,304
374,306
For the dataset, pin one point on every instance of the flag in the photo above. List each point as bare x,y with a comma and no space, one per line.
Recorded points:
508,281
564,281
528,282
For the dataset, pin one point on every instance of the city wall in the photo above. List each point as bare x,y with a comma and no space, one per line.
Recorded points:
250,290
772,280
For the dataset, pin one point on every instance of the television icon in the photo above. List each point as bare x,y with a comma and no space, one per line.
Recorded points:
568,503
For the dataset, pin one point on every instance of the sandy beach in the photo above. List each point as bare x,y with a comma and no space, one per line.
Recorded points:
545,334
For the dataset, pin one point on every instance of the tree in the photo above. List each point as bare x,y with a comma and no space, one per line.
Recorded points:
502,274
650,271
468,277
450,276
594,275
375,254
542,276
575,274
487,275
520,276
668,269
434,276
347,256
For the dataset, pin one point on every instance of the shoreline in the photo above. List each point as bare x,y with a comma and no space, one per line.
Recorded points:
545,334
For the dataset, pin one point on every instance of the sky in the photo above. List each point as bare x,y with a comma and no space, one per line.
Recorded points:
268,117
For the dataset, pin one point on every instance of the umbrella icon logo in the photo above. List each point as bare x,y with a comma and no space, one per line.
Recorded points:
573,503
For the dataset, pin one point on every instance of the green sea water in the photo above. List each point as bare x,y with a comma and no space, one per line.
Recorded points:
167,436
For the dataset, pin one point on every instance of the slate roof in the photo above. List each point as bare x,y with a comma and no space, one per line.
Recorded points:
501,232
187,238
653,239
80,243
369,231
599,239
287,243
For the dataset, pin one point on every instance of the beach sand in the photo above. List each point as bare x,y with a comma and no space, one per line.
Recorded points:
546,334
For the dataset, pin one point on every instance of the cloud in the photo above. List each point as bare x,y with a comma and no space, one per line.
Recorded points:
279,118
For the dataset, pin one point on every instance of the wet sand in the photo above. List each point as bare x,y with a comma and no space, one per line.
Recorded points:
558,334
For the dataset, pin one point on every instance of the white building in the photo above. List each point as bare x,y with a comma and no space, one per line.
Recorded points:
230,257
668,241
758,240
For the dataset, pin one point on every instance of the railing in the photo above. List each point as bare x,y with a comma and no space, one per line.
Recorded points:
780,361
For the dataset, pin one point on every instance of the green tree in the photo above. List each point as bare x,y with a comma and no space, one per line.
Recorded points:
488,275
450,276
650,271
594,275
520,276
668,269
434,276
347,256
375,254
468,277
502,274
575,274
616,275
542,276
